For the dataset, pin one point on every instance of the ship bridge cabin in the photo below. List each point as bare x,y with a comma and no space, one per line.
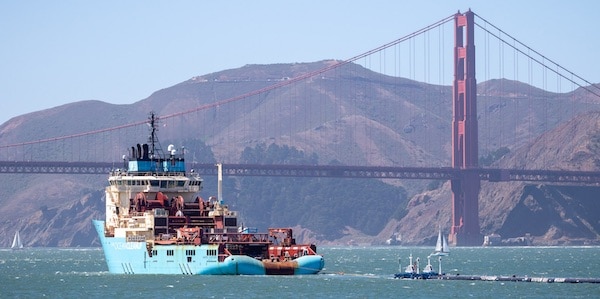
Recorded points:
142,159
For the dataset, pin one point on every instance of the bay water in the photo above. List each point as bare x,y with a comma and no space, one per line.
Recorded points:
350,272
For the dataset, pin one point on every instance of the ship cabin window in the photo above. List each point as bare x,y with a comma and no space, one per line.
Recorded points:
134,183
211,252
189,259
230,221
180,183
190,252
170,252
154,252
163,184
154,183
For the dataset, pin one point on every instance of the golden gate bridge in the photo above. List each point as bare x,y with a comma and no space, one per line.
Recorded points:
464,173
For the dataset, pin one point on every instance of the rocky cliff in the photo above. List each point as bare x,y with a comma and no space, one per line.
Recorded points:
551,214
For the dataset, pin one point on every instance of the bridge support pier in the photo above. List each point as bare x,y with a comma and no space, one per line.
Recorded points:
465,229
465,189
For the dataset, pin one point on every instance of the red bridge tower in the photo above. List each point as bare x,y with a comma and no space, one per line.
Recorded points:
465,189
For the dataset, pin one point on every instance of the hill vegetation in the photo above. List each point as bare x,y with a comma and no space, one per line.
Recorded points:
319,204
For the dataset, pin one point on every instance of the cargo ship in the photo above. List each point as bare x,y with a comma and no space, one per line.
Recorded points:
157,223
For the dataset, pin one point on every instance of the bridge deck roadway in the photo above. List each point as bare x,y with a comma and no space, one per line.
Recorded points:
334,171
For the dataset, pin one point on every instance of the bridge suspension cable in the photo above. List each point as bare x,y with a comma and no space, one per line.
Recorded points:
249,94
591,88
314,73
59,138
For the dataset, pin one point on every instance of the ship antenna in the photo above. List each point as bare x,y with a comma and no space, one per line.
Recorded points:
153,139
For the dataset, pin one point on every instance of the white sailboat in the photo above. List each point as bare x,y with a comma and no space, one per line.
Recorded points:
441,247
17,244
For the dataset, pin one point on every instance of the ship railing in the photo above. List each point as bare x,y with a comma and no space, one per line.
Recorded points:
215,238
136,214
118,172
155,173
122,172
239,238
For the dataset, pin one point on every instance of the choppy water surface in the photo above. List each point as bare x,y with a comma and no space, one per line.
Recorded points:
350,272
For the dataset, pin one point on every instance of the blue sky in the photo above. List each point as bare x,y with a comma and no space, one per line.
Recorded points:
58,52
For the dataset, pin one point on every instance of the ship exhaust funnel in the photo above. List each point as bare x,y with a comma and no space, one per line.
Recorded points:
220,183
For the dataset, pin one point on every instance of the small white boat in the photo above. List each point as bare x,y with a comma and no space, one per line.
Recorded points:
441,247
17,244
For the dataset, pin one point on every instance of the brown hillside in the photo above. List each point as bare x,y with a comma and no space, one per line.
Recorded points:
350,116
552,214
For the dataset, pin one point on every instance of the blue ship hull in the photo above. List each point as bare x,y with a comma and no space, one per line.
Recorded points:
124,257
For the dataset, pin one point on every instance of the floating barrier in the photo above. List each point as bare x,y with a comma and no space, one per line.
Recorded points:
513,278
412,271
520,278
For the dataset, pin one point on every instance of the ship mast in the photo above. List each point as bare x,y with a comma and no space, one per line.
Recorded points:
153,138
